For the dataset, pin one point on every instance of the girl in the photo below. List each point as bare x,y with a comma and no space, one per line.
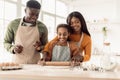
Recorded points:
62,49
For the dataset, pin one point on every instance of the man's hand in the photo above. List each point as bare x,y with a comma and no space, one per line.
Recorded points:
18,49
37,45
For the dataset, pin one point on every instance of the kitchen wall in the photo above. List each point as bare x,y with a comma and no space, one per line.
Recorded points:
99,14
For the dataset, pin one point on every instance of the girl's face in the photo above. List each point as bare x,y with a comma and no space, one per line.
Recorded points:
62,34
76,24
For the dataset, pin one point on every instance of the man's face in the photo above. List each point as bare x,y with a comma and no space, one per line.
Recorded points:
32,15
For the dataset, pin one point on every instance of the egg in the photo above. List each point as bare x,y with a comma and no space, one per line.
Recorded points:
7,64
12,64
0,64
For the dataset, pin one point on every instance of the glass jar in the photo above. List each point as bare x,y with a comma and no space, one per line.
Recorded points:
106,55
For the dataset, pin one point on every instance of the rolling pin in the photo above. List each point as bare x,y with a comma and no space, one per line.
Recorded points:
56,63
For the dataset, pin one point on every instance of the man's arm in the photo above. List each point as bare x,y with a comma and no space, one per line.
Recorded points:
44,37
9,36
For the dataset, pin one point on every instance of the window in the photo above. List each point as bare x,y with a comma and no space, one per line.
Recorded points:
9,15
14,0
48,6
24,2
49,21
23,11
1,31
1,9
60,20
61,9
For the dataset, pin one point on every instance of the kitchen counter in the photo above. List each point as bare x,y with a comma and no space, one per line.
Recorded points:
37,72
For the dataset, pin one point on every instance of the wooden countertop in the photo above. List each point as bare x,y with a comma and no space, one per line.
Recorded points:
37,72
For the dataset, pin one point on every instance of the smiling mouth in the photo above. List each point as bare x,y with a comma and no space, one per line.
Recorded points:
62,40
33,20
75,27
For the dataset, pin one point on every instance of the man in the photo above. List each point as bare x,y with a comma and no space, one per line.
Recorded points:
26,37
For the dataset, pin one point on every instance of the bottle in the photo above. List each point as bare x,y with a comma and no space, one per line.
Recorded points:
106,55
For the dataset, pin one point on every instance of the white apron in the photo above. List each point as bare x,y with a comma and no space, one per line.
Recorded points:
27,36
79,43
61,53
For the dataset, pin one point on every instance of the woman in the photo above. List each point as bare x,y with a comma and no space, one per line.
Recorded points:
80,34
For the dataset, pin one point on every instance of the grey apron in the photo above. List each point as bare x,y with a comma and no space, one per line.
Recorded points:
61,53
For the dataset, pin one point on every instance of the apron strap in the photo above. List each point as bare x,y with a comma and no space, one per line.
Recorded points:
68,44
81,39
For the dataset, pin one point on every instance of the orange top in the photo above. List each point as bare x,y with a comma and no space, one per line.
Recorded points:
50,45
85,44
85,47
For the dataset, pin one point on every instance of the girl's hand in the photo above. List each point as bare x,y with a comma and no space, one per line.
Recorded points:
42,58
41,62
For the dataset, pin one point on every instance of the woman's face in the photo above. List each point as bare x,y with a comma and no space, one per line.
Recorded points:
62,34
31,15
75,24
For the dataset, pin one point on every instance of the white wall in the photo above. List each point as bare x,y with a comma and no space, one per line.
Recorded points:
118,10
100,13
96,10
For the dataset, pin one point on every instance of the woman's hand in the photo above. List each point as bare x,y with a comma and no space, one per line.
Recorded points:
77,60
